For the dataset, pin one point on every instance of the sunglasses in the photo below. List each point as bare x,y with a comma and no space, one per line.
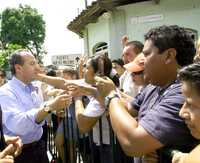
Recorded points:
137,73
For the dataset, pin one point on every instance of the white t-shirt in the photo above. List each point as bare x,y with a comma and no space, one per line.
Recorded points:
95,109
127,84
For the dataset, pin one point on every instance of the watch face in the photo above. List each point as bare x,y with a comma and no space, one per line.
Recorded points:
47,109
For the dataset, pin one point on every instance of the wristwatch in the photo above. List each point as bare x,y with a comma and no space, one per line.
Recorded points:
47,108
109,98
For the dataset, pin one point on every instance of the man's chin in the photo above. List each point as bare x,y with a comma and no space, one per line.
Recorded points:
195,134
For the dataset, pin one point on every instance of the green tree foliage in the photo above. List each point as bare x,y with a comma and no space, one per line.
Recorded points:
4,55
23,26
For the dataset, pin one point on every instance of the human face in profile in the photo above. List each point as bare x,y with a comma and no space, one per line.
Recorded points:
154,65
190,111
89,72
28,71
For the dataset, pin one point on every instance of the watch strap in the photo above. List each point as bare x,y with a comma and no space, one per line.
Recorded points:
109,98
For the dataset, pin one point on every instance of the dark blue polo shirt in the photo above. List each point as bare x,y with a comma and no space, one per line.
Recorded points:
159,114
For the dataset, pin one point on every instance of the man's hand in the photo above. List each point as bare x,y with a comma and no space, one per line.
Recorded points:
77,90
105,86
60,102
5,155
82,61
16,142
124,40
179,157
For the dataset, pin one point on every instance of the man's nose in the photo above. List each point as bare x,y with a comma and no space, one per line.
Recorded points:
184,112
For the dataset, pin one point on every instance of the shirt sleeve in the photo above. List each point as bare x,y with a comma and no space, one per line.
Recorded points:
14,116
137,101
163,121
93,109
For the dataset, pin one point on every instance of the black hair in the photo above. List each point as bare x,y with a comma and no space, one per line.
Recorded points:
102,66
165,37
51,72
137,46
191,74
119,62
53,67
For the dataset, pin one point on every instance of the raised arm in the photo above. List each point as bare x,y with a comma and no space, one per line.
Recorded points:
133,138
57,82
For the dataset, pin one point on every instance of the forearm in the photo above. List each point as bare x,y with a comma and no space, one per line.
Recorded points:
85,124
125,128
41,115
54,81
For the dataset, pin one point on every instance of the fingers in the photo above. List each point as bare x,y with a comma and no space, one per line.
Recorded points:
62,92
9,159
16,142
124,40
60,113
9,150
11,139
18,146
178,157
63,101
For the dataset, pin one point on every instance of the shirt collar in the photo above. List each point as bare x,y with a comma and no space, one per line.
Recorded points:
162,90
26,87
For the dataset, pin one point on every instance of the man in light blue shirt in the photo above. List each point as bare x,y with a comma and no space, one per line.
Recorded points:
23,111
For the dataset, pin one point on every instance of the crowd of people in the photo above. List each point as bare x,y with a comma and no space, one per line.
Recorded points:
150,97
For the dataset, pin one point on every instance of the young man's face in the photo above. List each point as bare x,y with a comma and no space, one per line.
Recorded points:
154,64
191,109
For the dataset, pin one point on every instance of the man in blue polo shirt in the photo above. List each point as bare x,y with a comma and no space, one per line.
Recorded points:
158,124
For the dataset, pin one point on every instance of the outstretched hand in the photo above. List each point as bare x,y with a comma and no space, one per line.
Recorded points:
60,102
105,86
77,90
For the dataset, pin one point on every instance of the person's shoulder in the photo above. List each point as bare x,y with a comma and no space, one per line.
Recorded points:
7,89
148,88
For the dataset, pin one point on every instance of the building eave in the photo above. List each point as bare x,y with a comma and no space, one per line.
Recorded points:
92,12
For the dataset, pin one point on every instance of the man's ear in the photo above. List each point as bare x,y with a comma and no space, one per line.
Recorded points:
18,68
170,56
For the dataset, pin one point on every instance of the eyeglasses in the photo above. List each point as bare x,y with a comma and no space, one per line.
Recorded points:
137,73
